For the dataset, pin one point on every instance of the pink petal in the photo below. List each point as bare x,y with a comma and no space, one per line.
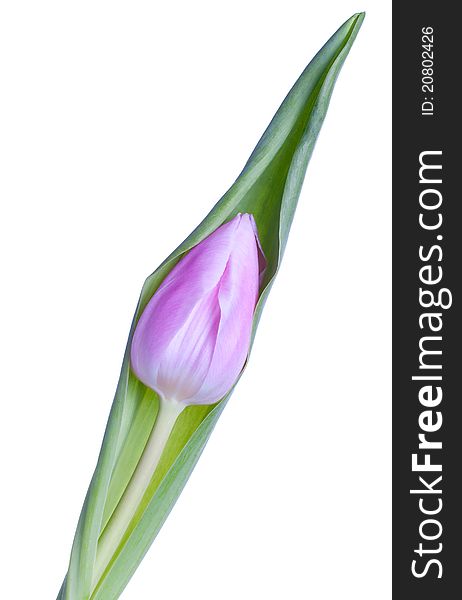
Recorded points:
237,297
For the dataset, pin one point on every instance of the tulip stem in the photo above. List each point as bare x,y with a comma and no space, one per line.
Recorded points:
123,514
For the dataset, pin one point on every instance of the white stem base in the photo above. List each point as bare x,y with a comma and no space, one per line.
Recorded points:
134,492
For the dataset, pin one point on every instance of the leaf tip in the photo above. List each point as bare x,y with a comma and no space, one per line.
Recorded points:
359,17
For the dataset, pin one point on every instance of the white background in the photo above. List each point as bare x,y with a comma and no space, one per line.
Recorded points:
121,125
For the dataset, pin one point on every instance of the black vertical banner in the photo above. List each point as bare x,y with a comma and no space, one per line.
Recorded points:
427,303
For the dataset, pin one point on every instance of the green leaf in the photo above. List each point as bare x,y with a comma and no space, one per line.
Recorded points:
268,187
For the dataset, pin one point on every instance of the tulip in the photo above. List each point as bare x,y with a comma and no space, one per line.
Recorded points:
190,340
193,337
190,345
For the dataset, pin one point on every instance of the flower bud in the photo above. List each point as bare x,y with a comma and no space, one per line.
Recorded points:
192,339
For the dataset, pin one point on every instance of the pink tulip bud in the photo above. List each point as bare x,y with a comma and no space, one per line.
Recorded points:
193,337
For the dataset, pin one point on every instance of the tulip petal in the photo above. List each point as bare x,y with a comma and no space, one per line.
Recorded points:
168,311
262,263
238,293
187,358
